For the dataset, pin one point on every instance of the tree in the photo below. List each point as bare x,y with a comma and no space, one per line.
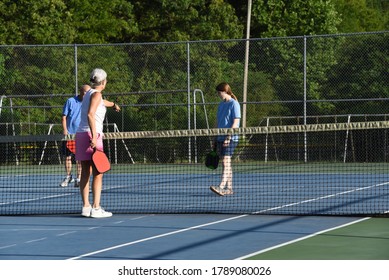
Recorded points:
65,22
101,21
274,18
362,15
184,20
34,22
284,57
362,72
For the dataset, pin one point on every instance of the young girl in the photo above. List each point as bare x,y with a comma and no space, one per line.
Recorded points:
228,116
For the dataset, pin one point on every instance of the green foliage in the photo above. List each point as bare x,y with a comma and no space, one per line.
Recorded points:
274,18
33,22
157,74
65,22
101,21
285,58
183,20
363,15
357,76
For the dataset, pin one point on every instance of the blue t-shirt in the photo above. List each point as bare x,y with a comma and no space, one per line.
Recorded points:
72,111
226,113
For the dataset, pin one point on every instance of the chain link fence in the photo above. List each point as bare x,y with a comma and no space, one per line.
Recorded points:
163,86
293,84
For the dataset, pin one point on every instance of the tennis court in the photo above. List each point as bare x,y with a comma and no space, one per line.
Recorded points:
205,227
266,190
185,237
158,190
193,237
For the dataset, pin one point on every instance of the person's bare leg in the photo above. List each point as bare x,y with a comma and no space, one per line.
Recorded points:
97,186
84,182
226,171
229,175
79,168
68,165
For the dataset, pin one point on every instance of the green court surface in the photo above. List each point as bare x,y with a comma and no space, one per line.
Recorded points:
365,240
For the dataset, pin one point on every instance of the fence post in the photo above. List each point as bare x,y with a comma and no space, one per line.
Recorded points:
188,90
305,98
75,70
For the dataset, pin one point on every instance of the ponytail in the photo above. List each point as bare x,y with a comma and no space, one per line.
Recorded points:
226,87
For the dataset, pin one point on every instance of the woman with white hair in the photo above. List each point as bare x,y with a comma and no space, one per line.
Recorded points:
89,136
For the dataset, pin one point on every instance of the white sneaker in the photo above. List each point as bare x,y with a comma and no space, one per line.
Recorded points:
86,211
66,181
100,213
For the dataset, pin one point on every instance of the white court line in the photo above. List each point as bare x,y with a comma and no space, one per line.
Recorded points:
142,217
40,229
311,200
46,197
229,219
7,246
154,237
300,239
35,199
66,233
35,240
321,197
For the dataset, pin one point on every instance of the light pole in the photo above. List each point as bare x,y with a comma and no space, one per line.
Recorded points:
246,64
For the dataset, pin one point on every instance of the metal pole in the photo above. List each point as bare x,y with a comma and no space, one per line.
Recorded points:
246,64
305,98
1,103
188,89
266,141
346,140
195,125
75,70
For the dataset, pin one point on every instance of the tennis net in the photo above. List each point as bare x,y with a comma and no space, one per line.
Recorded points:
315,169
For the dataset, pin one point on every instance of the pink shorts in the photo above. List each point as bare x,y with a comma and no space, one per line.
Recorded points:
83,148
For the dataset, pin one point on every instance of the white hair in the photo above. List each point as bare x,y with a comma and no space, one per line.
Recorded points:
97,76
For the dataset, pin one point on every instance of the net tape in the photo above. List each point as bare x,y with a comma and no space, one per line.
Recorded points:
210,132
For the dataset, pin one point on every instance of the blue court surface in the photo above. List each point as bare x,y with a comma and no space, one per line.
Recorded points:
346,194
153,237
167,212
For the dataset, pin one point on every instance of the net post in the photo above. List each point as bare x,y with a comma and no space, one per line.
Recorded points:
346,140
45,145
116,129
195,116
266,140
13,129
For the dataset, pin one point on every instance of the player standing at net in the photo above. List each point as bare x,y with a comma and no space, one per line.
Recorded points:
228,116
89,136
71,113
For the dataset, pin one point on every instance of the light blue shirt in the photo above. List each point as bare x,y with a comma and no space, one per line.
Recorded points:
72,111
227,112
